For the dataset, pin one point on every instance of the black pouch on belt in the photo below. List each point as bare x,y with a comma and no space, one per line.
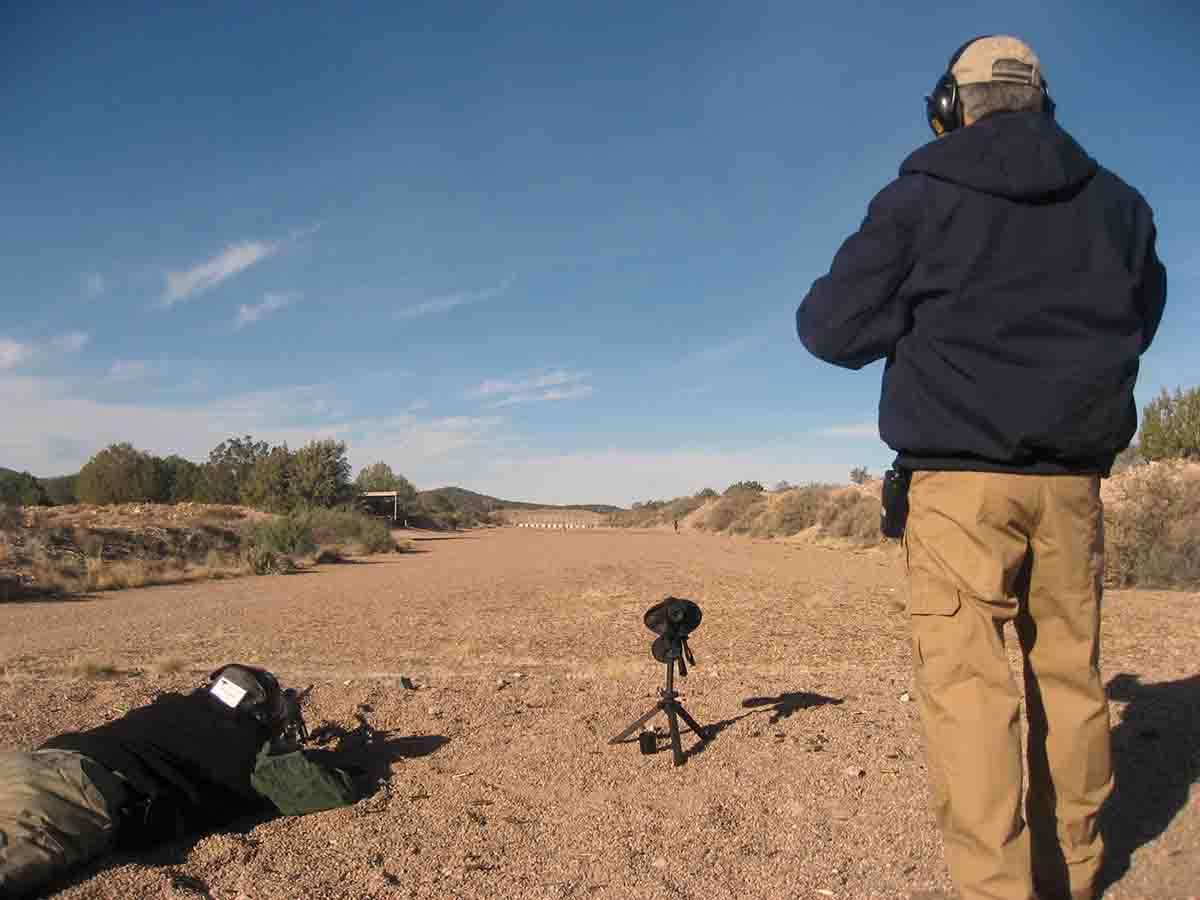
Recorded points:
893,502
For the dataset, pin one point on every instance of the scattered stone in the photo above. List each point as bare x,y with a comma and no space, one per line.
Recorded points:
407,683
854,772
660,862
906,697
501,684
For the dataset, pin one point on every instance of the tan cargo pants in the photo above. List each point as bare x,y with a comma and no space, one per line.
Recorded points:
57,809
985,549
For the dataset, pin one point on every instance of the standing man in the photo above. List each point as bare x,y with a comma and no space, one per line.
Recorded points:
1011,283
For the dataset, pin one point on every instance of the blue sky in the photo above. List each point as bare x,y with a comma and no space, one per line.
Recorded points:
547,251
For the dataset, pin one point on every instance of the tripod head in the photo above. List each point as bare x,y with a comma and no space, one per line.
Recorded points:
673,620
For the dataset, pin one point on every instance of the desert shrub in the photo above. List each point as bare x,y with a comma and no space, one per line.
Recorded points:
287,535
1152,533
375,537
851,515
754,486
1171,425
260,560
302,532
795,511
10,518
735,508
860,475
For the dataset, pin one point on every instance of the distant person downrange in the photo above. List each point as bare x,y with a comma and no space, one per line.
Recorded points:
1011,283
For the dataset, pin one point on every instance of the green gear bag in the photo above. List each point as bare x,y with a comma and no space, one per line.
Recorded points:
297,785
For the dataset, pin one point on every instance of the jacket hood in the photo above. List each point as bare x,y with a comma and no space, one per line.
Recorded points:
1020,156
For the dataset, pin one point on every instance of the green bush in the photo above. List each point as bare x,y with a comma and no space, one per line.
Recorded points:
319,475
21,489
375,537
303,532
1152,533
289,534
121,474
1171,425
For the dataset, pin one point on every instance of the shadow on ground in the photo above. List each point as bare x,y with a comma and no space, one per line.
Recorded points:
1156,758
366,752
787,704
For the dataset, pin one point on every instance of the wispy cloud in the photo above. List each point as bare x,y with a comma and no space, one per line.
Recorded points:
573,393
551,379
207,275
128,370
451,301
71,342
50,428
13,353
722,352
856,430
559,384
272,303
93,285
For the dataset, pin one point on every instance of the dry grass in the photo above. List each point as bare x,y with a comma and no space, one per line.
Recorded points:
91,668
167,665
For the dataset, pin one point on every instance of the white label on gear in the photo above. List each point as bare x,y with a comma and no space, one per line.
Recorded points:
227,692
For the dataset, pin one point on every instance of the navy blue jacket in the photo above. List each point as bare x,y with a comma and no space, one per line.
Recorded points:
1011,283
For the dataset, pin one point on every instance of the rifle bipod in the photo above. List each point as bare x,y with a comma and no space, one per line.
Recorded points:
669,703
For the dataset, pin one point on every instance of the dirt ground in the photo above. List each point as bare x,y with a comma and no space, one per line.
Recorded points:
527,652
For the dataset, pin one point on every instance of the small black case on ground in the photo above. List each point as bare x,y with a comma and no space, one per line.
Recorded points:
893,502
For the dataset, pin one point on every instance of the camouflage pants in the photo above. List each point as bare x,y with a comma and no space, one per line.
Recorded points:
57,809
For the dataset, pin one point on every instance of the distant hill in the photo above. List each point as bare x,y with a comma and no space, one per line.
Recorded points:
461,498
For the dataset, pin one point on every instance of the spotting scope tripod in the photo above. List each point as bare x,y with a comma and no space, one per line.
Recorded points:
673,620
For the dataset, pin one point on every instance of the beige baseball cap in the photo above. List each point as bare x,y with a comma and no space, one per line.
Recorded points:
998,57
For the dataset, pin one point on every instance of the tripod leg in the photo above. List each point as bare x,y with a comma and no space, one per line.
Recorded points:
676,745
637,724
700,732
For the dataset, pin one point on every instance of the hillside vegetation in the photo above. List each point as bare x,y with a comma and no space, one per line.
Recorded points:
746,508
1151,519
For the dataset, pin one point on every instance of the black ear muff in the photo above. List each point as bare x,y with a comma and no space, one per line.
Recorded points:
1048,105
941,106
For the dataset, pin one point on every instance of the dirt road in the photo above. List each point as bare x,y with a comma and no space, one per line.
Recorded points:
528,652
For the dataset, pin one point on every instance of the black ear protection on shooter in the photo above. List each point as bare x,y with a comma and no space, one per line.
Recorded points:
943,109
